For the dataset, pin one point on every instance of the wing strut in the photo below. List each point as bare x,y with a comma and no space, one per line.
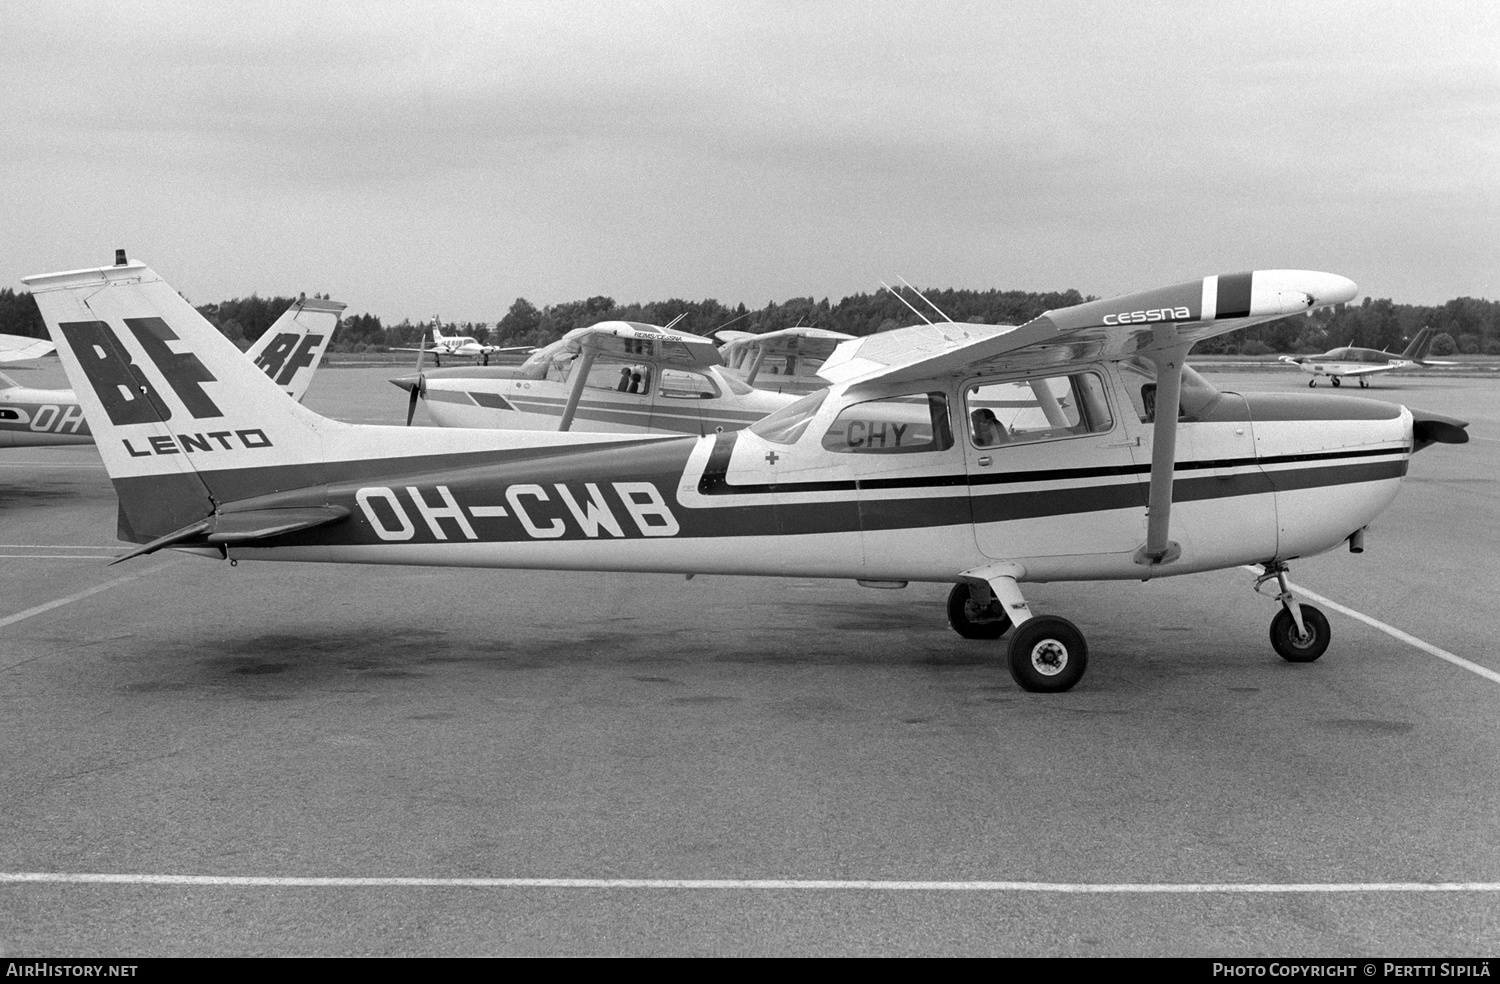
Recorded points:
755,361
586,353
1158,548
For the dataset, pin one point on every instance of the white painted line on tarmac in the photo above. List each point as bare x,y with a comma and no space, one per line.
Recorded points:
755,884
58,546
1393,632
57,556
85,593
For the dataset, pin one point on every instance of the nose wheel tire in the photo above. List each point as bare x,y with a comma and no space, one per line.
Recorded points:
1334,380
973,621
1047,654
1294,649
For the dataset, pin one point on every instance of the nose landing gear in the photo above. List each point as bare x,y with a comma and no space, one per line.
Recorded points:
1299,632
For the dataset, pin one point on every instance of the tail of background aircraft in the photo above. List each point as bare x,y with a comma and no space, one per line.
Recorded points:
291,349
1417,350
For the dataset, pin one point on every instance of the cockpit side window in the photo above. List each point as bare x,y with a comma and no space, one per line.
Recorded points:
1041,408
897,425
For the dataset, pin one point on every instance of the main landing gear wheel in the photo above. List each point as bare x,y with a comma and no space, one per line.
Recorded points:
972,620
1311,383
1047,654
1364,383
1334,380
1295,648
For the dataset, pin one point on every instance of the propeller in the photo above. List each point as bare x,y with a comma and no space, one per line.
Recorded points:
418,389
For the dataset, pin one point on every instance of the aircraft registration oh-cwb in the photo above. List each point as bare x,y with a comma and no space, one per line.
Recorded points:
894,473
288,352
616,376
1364,362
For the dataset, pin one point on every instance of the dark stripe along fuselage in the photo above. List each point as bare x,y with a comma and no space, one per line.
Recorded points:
621,491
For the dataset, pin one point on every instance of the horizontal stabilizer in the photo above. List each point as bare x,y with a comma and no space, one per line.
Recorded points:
228,528
19,348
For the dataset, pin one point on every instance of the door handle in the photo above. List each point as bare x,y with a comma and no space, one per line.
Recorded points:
984,461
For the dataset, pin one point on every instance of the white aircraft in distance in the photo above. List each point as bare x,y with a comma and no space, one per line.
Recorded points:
782,361
615,376
894,473
465,345
1362,362
288,352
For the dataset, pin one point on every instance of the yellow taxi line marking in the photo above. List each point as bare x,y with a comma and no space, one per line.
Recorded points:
761,884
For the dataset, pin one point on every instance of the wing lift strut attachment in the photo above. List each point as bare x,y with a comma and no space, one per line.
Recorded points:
588,352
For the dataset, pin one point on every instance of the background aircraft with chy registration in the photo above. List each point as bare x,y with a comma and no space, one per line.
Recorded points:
880,477
288,352
1361,363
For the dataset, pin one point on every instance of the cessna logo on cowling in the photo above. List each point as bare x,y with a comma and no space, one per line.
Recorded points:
540,513
130,398
1154,314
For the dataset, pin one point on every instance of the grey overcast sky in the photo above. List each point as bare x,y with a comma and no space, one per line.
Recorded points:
415,158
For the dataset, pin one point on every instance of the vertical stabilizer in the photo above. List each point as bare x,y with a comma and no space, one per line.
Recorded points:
291,349
1417,350
174,406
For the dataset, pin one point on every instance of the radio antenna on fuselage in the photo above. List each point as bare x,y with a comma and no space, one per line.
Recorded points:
903,300
929,303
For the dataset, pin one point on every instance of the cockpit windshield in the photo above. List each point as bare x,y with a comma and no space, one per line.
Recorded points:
1197,397
786,425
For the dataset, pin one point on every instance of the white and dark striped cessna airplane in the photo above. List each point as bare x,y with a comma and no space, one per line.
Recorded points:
983,457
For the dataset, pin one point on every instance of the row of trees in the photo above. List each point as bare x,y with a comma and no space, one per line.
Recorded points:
1465,325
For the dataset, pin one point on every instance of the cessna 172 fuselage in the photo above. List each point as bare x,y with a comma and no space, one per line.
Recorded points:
978,456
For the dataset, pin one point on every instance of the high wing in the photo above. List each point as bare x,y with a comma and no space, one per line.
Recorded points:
635,342
290,350
19,348
1162,318
815,343
1160,325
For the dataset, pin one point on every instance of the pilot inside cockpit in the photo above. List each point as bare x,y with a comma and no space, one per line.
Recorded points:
987,429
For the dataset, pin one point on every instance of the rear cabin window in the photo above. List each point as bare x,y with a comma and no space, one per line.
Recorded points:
1042,408
899,425
678,384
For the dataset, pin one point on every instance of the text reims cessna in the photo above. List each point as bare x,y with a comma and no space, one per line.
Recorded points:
288,352
616,376
881,477
1363,362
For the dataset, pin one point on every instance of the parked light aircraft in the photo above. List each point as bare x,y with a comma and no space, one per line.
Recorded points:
783,361
616,376
1364,362
465,345
288,352
880,477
